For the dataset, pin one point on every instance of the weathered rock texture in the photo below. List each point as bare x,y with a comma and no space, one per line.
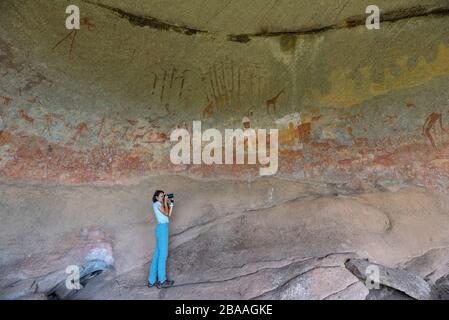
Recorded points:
86,117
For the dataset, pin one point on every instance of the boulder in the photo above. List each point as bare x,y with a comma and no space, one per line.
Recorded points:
19,289
401,280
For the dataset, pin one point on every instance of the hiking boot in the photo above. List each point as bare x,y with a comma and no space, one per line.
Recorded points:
150,285
165,284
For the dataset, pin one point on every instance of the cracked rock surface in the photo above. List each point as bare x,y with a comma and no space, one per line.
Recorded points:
293,246
85,123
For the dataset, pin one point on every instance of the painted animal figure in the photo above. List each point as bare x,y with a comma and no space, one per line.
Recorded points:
272,102
219,103
6,100
25,117
208,110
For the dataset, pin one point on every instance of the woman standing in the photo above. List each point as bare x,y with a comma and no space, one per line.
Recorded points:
162,210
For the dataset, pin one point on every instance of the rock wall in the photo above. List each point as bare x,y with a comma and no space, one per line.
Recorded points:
100,108
86,118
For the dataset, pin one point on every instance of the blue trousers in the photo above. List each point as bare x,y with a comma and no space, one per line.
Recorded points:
157,269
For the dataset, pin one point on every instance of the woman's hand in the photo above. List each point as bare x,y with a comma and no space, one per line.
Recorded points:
170,210
165,203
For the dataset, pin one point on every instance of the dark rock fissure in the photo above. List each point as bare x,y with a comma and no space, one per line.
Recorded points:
285,283
147,21
351,22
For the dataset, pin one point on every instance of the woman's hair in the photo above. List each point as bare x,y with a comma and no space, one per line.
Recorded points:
156,194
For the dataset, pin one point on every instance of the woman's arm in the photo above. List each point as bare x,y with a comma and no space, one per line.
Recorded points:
170,210
164,208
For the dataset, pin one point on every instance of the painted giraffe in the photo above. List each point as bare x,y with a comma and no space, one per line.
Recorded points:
272,101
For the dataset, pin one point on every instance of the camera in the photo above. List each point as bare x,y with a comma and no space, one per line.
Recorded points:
171,197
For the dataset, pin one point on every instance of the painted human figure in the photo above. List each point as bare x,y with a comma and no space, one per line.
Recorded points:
246,123
429,123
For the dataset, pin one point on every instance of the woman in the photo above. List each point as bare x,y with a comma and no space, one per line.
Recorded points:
162,210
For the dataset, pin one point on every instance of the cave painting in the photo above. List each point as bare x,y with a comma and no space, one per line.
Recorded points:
429,123
208,111
328,132
6,103
351,134
153,136
170,84
352,118
73,33
35,99
144,135
101,127
220,83
36,80
288,136
294,118
289,125
249,112
296,129
390,118
220,102
234,84
303,132
49,119
246,123
272,102
138,134
25,117
6,100
80,128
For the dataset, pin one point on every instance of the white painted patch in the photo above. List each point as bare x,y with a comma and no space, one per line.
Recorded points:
294,118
